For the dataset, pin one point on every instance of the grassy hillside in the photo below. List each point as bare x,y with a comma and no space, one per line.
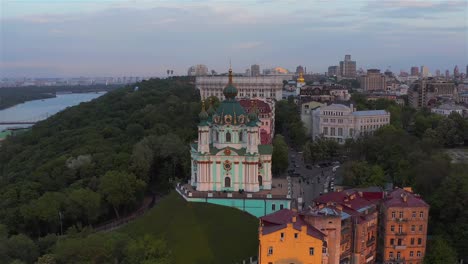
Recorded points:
198,232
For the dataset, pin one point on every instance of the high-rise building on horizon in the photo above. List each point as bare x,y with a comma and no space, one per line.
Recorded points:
373,80
447,74
333,70
348,67
466,73
198,70
415,71
424,71
299,69
456,72
437,73
255,70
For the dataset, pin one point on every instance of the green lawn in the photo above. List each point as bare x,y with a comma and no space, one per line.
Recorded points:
199,232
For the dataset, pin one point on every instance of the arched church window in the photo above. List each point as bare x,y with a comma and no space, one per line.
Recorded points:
217,136
228,137
227,182
240,136
260,180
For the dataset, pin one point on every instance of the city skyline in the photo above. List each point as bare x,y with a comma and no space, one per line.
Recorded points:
145,38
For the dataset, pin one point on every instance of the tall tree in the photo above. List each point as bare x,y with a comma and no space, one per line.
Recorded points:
280,155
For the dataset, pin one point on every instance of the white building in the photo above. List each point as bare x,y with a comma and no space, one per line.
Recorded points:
448,108
265,87
198,70
340,122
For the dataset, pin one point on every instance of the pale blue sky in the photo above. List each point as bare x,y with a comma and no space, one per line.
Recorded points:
142,37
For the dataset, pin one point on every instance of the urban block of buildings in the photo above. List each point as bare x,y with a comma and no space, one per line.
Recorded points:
230,165
426,92
265,87
340,122
355,226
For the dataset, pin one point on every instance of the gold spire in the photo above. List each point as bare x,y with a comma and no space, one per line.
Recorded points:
230,75
300,79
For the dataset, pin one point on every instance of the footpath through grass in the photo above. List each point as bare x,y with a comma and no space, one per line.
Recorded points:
199,233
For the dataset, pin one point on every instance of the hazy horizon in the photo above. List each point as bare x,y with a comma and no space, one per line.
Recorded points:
145,38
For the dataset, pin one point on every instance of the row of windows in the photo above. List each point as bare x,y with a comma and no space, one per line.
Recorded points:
332,120
332,113
332,131
398,255
374,120
399,241
400,228
413,214
311,251
367,127
273,207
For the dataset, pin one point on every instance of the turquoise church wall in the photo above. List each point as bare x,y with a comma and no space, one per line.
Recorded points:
255,207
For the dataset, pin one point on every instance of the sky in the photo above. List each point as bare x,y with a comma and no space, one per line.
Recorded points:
67,38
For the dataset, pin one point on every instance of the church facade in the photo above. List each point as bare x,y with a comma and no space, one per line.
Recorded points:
228,155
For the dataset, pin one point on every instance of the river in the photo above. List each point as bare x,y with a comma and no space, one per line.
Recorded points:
32,110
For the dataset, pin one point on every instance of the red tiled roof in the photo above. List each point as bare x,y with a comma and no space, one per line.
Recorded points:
395,199
261,105
344,198
280,219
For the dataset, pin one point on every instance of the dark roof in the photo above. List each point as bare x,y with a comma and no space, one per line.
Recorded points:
262,106
396,199
280,219
350,198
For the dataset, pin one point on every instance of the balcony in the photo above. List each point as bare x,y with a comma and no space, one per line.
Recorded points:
399,246
400,234
399,220
370,242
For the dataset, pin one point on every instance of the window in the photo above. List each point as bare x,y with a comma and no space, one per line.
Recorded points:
325,130
411,253
227,182
332,131
240,136
393,215
420,228
413,214
281,207
390,254
273,207
260,181
401,214
392,228
418,254
419,241
412,241
399,241
324,250
270,251
392,241
398,255
400,229
421,214
228,137
217,136
282,236
340,131
296,235
340,121
413,228
311,251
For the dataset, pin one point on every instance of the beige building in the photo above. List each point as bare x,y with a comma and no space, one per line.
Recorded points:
340,122
348,67
373,80
425,92
307,117
265,87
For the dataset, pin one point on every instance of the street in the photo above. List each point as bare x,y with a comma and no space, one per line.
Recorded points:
307,183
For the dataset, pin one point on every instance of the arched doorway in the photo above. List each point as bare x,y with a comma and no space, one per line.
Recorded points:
227,182
260,180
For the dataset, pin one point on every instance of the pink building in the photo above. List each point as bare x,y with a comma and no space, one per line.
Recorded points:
266,115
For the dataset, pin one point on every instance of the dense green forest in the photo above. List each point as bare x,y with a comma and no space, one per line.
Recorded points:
95,161
11,96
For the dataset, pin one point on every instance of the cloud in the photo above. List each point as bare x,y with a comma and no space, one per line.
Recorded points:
415,9
248,45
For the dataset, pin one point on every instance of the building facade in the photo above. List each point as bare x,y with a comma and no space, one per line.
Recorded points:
448,108
255,70
324,93
307,111
373,80
404,227
229,155
198,70
284,238
348,67
266,116
424,71
340,122
415,71
425,92
265,87
333,70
